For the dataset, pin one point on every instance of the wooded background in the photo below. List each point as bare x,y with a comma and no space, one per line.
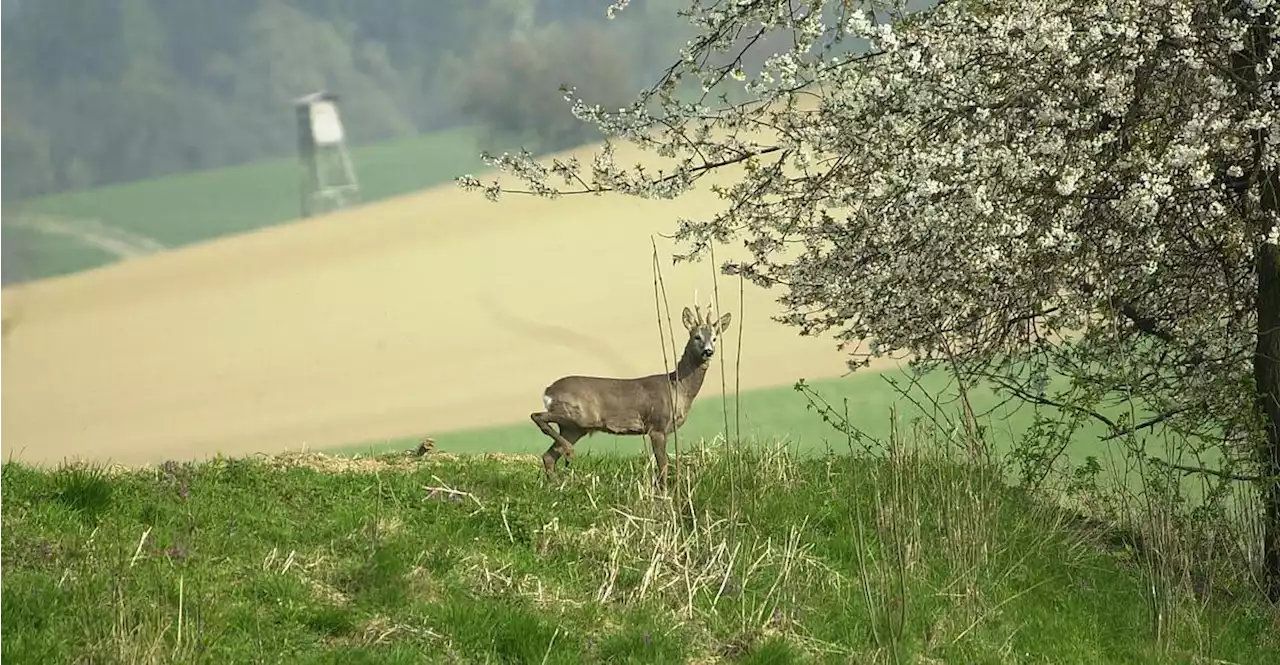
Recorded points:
115,90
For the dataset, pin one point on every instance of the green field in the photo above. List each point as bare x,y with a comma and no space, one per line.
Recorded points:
762,559
772,414
183,209
782,416
31,254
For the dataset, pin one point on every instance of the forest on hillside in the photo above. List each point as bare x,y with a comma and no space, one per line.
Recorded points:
108,91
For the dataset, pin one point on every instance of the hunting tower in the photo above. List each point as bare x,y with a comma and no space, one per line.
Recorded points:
328,176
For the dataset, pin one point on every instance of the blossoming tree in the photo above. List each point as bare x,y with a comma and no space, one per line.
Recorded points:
1022,189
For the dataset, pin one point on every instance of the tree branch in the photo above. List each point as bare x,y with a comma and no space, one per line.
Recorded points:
1140,321
697,172
1045,401
1188,470
1146,424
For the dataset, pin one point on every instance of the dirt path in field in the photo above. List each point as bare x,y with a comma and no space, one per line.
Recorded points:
92,232
418,315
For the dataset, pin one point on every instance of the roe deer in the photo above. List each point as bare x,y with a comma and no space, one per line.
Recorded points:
582,405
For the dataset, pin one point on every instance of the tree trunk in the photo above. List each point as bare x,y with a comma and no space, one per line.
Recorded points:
1266,374
1258,48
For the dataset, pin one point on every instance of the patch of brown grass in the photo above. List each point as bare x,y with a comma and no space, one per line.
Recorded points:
407,461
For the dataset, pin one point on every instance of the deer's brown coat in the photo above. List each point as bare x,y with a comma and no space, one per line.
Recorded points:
654,405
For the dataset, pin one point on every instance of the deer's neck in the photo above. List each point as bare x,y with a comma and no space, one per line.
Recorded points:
690,372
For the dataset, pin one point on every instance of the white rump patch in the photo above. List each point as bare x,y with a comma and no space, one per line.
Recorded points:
546,402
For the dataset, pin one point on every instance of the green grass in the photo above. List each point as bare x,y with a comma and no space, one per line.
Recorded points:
188,208
764,558
768,414
781,415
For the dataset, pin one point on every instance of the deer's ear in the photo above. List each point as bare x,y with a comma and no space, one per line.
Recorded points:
689,322
724,323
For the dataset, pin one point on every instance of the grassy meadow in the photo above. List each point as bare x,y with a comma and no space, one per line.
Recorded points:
756,556
784,416
188,208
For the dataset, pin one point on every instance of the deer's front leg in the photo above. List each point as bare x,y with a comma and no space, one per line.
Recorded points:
659,442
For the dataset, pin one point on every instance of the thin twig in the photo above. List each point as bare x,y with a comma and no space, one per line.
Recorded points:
138,552
445,489
549,645
675,431
1219,473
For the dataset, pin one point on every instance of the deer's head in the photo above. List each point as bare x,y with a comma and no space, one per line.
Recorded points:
703,333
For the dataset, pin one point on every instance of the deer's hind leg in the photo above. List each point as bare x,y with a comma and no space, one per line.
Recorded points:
571,433
561,441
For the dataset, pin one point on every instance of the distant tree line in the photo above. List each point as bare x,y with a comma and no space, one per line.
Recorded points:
116,90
